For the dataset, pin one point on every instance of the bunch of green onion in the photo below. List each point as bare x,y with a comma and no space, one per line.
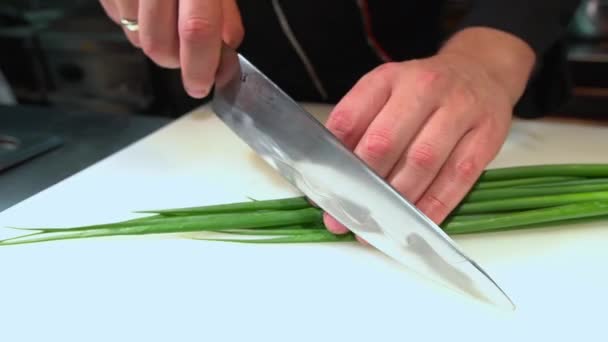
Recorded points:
523,197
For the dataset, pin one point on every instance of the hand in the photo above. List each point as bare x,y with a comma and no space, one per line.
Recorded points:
431,126
182,33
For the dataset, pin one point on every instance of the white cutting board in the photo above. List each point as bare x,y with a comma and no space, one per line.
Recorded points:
168,289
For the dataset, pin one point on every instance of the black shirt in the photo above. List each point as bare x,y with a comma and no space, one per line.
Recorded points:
317,49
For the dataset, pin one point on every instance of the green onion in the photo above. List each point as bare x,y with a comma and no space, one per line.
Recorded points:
263,218
579,181
498,194
503,199
274,232
179,224
522,181
512,204
276,204
520,219
471,217
573,170
321,236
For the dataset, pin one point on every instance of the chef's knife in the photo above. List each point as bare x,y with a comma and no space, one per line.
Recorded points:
304,152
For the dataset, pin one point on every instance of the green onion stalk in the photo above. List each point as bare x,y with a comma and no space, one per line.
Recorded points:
523,197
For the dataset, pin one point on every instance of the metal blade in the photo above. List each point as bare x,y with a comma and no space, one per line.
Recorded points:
303,151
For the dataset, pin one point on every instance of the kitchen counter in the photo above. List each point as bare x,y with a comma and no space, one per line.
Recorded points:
85,139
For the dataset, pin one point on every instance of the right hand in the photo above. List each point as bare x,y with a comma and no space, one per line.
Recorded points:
184,34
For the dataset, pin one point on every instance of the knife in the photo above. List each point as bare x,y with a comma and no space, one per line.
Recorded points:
311,158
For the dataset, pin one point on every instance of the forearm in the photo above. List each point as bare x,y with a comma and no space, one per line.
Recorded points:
506,58
540,23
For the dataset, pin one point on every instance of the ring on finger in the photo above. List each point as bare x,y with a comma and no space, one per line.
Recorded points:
129,24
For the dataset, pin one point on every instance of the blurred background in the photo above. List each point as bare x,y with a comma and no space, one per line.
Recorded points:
73,90
67,54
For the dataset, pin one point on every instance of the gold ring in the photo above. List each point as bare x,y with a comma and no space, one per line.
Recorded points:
129,24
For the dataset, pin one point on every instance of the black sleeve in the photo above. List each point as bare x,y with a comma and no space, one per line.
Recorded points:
542,24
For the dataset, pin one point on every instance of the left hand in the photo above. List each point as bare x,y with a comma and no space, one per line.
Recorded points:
429,126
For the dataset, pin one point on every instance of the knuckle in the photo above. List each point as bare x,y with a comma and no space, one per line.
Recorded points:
387,68
378,145
464,98
489,127
385,71
492,141
196,29
496,121
434,204
466,171
423,156
428,79
341,124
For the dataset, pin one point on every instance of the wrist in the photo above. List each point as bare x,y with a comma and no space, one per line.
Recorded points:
506,59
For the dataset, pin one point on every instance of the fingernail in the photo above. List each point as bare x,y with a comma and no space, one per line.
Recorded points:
333,225
198,93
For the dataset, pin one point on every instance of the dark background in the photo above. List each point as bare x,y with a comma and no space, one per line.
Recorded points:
69,55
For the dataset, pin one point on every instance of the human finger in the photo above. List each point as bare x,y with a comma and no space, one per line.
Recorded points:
128,12
410,106
460,172
200,29
111,10
158,31
356,110
421,161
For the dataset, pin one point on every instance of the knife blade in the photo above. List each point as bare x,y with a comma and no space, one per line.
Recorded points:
306,154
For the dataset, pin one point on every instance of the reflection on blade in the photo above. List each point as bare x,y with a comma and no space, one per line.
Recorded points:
300,148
